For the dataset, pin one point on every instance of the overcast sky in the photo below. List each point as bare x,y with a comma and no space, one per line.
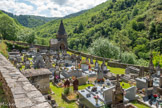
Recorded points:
48,8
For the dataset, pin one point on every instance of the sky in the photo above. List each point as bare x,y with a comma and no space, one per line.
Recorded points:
47,8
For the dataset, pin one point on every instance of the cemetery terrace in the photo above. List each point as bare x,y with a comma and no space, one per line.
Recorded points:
45,76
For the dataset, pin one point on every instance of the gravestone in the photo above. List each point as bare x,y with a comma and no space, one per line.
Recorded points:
75,84
27,64
91,61
19,59
158,70
79,58
67,83
100,75
118,96
84,67
160,82
159,89
48,63
104,67
96,64
141,73
39,62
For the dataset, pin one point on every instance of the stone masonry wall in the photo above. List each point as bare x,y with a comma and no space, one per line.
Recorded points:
19,92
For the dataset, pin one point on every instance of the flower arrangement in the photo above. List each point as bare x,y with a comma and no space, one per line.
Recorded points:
96,98
101,80
57,77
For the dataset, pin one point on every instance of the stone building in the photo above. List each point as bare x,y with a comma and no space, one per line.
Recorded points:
60,43
39,78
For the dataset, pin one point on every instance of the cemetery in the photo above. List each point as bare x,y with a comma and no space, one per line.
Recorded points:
55,77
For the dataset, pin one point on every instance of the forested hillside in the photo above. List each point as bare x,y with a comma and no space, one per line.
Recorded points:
120,29
30,20
11,29
129,24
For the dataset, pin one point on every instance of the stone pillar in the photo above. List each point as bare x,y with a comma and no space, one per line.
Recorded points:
160,82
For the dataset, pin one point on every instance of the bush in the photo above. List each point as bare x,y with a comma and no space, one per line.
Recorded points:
67,91
104,48
142,62
129,58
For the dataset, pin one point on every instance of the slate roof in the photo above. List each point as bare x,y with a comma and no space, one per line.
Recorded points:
61,30
36,72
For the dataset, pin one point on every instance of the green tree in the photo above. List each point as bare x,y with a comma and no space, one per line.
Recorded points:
8,28
104,48
31,38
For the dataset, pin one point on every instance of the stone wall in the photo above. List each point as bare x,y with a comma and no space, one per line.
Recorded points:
19,92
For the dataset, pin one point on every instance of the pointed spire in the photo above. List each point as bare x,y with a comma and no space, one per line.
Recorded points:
61,30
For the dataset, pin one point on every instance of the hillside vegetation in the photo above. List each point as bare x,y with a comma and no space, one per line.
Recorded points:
133,25
11,29
30,20
128,29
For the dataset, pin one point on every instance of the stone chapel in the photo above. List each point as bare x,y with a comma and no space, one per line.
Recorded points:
60,43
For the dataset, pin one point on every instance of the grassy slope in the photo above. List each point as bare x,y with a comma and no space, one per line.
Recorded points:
3,48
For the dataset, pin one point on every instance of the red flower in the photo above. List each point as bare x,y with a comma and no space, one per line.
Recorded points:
155,95
96,97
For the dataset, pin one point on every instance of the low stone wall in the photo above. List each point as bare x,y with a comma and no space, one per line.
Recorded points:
19,92
111,62
37,46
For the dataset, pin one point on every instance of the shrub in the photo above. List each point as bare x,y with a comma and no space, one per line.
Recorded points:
104,48
67,91
129,58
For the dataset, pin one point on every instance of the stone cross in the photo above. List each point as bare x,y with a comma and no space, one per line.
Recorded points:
118,95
